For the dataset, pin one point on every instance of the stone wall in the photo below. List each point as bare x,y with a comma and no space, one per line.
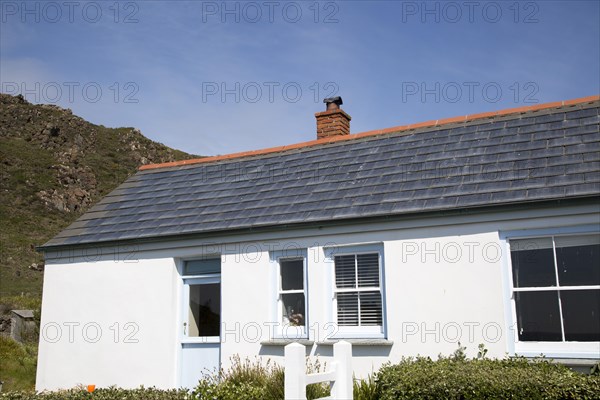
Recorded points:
5,325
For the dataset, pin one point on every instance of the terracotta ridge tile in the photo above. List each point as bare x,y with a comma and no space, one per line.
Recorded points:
376,132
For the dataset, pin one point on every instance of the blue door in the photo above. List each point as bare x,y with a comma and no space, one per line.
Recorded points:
201,329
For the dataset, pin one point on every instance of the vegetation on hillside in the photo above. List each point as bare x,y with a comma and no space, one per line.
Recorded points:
18,365
54,166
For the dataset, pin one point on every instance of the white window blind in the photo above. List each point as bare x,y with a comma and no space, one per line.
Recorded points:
358,290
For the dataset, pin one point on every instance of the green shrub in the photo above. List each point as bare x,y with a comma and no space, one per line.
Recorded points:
18,363
365,389
247,380
244,380
457,377
453,377
111,393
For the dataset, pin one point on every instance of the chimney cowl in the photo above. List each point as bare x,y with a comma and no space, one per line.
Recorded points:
333,103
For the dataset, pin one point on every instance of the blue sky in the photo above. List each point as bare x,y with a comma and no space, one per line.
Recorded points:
213,77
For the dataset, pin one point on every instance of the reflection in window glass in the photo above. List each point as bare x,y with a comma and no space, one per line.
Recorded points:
292,274
581,312
202,266
204,317
578,259
533,263
538,316
291,296
564,310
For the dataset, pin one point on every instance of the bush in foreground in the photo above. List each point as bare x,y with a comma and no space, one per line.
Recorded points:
111,393
454,377
247,380
457,377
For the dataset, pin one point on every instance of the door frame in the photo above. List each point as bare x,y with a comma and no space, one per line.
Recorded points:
183,283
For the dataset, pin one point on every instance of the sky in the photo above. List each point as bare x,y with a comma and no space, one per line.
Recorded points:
217,77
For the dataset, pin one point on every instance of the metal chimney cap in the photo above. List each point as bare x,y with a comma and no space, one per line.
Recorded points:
335,100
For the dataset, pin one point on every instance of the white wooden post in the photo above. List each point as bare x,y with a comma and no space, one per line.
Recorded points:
342,387
295,372
340,373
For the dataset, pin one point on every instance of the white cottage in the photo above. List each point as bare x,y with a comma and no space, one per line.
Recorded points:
403,241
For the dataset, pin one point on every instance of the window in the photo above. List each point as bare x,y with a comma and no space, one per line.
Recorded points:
358,294
201,299
556,288
204,309
290,294
292,299
202,267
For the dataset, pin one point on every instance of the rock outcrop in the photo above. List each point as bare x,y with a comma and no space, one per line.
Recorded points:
53,166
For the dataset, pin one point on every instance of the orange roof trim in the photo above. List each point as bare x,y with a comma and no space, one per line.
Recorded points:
401,128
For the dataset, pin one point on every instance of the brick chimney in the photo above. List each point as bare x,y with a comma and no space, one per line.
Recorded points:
333,121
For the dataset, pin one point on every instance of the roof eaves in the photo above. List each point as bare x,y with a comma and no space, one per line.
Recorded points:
507,206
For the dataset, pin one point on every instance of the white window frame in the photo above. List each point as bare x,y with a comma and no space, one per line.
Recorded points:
564,349
356,332
280,330
201,278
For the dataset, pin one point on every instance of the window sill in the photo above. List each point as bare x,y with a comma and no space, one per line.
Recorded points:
570,361
558,350
285,342
201,340
576,362
358,342
582,365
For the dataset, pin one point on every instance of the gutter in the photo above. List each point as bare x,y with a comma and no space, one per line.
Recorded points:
586,200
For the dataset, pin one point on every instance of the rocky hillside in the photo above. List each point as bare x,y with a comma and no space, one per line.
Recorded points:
53,166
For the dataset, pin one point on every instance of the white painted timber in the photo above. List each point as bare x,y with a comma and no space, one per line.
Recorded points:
339,372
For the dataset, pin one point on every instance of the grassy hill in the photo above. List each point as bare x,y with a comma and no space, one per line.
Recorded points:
53,166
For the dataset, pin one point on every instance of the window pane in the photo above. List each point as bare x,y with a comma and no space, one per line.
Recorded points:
532,262
538,316
198,267
293,309
581,313
345,273
292,274
370,308
578,259
205,310
347,304
368,270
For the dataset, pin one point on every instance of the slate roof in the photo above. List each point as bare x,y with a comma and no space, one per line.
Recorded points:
548,153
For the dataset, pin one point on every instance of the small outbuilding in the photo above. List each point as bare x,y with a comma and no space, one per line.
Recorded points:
22,325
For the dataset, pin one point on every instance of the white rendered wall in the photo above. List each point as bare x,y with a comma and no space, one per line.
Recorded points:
82,301
444,290
444,283
434,299
245,302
